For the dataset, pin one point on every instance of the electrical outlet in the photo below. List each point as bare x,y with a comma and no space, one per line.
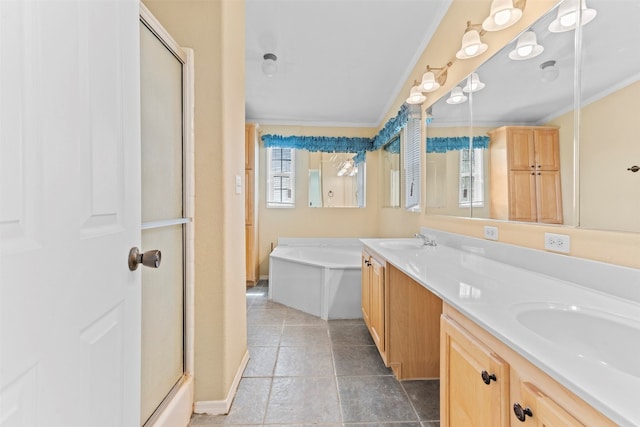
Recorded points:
490,232
557,242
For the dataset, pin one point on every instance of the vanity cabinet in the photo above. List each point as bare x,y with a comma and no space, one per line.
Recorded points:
413,340
474,381
484,383
373,301
525,174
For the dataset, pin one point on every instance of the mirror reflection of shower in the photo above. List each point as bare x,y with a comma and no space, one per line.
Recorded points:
335,180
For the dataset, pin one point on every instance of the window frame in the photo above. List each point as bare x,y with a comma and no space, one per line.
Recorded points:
272,176
476,177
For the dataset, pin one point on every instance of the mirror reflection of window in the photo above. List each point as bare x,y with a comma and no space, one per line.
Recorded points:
336,180
471,188
391,173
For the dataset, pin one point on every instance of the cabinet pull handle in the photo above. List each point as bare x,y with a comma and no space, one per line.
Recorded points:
521,413
368,263
634,168
486,377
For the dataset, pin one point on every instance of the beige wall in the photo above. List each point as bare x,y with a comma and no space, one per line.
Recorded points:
215,31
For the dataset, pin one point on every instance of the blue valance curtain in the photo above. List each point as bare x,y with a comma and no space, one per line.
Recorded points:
343,144
454,143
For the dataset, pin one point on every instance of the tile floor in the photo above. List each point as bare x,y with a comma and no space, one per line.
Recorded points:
304,370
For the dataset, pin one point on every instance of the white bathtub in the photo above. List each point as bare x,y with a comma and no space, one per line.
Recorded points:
318,276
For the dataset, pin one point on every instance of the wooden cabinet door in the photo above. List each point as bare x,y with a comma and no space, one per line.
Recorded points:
520,149
465,398
376,313
366,288
549,197
522,195
544,411
547,149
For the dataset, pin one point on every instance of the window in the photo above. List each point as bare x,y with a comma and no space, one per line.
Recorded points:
471,178
412,164
281,177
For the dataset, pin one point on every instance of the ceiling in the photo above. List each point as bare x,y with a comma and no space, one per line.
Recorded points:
340,62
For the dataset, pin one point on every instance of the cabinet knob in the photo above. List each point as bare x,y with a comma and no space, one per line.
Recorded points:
521,413
486,377
367,262
533,166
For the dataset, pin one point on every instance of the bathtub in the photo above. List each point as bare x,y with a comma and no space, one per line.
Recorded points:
318,276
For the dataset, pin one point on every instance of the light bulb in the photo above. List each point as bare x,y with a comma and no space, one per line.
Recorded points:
568,20
525,50
502,17
471,49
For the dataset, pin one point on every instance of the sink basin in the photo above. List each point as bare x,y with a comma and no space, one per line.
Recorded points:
605,338
402,244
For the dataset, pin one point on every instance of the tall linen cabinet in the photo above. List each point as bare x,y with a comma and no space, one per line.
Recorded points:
251,205
525,174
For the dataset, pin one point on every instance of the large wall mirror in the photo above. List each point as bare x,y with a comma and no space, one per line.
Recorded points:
526,109
336,180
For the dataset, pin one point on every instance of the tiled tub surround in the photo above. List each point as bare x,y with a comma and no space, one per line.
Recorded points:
495,285
320,276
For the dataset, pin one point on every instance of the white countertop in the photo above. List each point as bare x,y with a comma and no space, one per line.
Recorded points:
493,294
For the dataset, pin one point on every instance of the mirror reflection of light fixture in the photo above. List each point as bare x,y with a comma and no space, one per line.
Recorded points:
456,97
473,83
568,16
430,82
527,47
416,96
549,71
503,14
471,46
269,66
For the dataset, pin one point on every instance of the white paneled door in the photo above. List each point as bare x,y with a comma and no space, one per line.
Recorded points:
69,213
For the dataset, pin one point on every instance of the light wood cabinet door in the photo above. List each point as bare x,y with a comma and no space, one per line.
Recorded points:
521,148
522,196
377,308
366,288
547,152
541,410
548,197
474,382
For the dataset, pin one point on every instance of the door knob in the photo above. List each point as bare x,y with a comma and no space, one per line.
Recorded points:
150,258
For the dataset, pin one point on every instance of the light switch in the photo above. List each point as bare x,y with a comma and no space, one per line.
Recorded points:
238,184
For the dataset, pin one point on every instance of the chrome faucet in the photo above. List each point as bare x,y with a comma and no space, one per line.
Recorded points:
426,241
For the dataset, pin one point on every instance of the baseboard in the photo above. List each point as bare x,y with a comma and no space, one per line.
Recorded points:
220,407
264,277
176,411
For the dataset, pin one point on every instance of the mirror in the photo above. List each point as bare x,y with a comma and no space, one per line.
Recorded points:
536,92
609,126
336,180
390,168
514,102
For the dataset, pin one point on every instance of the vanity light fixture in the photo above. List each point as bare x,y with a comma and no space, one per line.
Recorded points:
503,14
430,82
471,46
269,66
473,84
527,47
456,97
568,16
416,96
